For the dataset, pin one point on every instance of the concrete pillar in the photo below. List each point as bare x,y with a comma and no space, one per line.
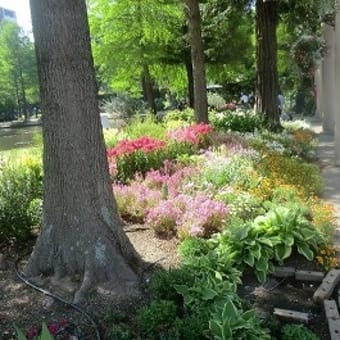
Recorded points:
328,80
337,86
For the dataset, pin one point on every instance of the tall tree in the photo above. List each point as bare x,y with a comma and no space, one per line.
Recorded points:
81,231
197,58
267,77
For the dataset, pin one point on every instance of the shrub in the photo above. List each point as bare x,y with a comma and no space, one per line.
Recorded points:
186,115
134,200
20,195
286,170
196,134
129,157
145,126
297,332
155,319
162,284
164,217
237,121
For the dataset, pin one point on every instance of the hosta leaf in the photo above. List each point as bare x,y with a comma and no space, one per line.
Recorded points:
266,241
216,329
288,240
230,311
20,334
261,276
256,251
249,314
283,251
249,259
208,294
308,234
262,264
226,330
304,250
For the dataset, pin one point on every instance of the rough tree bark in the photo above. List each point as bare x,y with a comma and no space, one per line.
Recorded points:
197,57
188,67
267,75
81,231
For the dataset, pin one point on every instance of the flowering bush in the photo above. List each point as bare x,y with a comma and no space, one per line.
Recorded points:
203,216
164,217
126,147
135,199
228,106
188,216
131,156
194,134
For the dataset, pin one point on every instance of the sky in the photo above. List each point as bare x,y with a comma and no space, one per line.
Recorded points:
22,9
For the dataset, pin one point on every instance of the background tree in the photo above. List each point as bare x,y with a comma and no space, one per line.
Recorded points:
17,69
128,39
197,58
81,231
267,77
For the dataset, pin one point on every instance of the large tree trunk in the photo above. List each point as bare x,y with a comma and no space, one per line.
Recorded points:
81,232
267,76
148,92
197,57
188,67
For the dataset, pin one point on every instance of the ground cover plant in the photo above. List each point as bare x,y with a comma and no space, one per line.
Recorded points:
236,201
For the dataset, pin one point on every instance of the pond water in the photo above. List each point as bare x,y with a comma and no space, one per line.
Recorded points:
18,137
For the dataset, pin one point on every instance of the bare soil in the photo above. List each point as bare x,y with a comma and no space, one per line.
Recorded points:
25,307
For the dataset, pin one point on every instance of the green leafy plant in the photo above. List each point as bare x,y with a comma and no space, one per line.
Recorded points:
297,332
20,194
231,322
157,318
237,121
44,333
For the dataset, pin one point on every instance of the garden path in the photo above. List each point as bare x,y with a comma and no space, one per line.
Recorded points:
330,172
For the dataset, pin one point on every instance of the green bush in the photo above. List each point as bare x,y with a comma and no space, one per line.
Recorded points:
237,121
186,115
297,332
141,126
162,284
20,198
155,319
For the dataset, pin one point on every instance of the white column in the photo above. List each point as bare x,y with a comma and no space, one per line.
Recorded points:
318,91
328,80
337,86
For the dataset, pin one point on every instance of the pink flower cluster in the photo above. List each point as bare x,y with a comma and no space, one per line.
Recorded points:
166,176
191,134
145,144
228,106
186,215
135,199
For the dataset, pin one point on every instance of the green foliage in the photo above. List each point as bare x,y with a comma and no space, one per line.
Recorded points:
20,198
186,115
18,73
271,237
140,162
230,322
297,332
237,121
215,100
157,318
140,126
162,284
